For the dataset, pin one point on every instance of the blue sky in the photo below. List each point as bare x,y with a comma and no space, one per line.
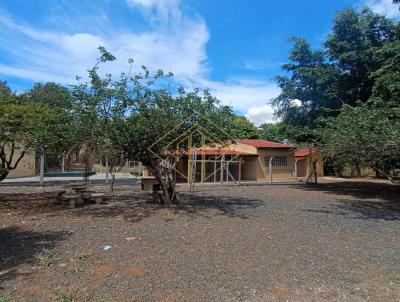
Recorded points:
232,47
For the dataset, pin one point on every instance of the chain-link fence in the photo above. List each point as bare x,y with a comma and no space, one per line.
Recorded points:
78,166
58,165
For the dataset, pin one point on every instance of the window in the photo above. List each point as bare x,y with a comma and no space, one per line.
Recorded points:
277,161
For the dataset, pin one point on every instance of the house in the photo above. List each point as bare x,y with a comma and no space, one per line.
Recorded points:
304,160
247,160
257,167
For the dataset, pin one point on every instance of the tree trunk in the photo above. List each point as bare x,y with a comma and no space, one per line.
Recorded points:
167,186
4,174
112,179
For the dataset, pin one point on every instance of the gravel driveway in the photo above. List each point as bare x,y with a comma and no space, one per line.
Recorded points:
328,242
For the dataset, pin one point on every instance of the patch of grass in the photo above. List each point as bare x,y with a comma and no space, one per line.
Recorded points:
65,296
5,298
83,255
78,269
44,257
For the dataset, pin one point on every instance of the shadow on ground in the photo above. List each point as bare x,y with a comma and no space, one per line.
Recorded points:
369,200
139,206
19,246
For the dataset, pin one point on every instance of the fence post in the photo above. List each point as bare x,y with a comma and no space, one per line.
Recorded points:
203,158
41,171
315,170
63,163
270,169
215,171
107,169
240,169
222,169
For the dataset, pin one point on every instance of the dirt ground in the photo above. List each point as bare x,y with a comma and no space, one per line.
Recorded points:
327,242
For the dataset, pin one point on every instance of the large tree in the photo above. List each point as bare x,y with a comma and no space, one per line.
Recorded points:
277,132
38,120
138,115
359,61
157,119
21,127
366,135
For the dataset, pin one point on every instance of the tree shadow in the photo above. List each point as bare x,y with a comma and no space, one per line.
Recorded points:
369,200
136,206
193,204
360,190
20,246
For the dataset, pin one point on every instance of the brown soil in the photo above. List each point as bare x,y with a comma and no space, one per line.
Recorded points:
327,242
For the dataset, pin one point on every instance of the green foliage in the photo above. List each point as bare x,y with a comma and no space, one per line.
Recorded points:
5,91
118,119
233,125
18,122
359,62
312,82
365,135
387,77
349,92
44,257
5,298
241,127
123,118
64,296
39,119
49,94
274,132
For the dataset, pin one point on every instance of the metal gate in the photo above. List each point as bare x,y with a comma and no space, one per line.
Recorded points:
206,171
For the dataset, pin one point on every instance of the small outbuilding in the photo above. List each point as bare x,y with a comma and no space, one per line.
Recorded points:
244,160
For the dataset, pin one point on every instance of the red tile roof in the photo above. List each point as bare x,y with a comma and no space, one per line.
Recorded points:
304,152
220,152
260,143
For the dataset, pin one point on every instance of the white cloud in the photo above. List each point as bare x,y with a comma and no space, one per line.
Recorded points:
258,65
243,94
384,7
151,3
261,114
45,53
296,103
177,45
166,10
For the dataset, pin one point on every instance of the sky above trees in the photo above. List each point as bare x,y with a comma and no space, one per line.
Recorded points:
229,46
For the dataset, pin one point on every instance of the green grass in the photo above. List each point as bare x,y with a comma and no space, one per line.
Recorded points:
5,298
44,257
65,297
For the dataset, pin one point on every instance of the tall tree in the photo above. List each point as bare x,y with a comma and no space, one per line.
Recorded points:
312,81
366,135
277,132
359,61
352,47
132,117
49,94
59,134
21,127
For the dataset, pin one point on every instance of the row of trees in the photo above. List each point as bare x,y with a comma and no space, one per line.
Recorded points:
345,97
112,118
28,120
